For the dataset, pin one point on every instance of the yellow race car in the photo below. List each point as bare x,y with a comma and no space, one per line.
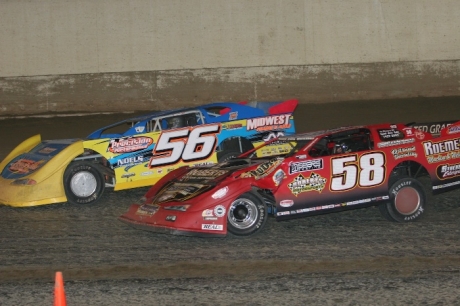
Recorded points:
137,152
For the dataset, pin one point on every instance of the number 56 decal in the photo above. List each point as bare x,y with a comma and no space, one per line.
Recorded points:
348,171
185,144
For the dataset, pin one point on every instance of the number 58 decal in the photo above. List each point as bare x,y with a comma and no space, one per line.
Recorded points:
185,144
348,171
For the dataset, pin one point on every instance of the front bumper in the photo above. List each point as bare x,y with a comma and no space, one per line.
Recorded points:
185,223
46,192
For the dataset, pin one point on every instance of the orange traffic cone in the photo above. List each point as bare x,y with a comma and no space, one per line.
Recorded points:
59,294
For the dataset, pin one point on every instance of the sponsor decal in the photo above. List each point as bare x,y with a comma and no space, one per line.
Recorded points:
160,171
219,211
233,116
404,152
220,193
147,210
140,129
304,210
308,165
390,134
170,218
433,128
130,144
272,135
179,191
436,152
203,164
303,156
203,174
212,227
317,208
274,149
134,160
283,213
207,213
395,142
128,175
446,185
419,135
380,198
314,182
453,129
362,201
448,171
147,173
278,176
263,169
25,166
47,150
286,203
269,123
232,126
408,132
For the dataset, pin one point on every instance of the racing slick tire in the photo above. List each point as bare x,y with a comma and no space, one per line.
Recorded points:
407,200
83,183
247,214
228,155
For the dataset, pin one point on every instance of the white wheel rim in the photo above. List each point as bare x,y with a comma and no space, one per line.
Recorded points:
83,184
243,213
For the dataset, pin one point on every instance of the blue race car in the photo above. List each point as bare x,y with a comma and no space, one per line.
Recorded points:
139,151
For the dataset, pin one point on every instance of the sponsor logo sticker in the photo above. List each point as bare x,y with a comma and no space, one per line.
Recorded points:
212,227
314,182
129,144
286,203
219,211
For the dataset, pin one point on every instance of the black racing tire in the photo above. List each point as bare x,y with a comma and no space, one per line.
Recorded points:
83,183
407,200
226,156
247,214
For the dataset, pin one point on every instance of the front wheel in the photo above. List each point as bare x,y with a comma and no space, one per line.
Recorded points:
83,183
407,200
246,215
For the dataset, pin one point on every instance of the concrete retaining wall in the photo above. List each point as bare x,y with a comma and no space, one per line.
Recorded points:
112,55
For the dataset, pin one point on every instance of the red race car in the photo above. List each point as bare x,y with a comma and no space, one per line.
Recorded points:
313,173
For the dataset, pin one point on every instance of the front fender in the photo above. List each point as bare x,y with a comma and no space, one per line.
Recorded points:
47,185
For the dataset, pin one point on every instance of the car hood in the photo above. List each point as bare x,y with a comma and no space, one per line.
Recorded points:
28,163
197,180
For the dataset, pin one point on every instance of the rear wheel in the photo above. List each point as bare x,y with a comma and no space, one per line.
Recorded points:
227,156
83,183
246,215
407,200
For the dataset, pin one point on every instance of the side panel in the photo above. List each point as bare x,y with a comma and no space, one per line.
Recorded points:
141,160
330,183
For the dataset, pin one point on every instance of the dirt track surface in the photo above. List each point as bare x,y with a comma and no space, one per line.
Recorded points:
349,258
